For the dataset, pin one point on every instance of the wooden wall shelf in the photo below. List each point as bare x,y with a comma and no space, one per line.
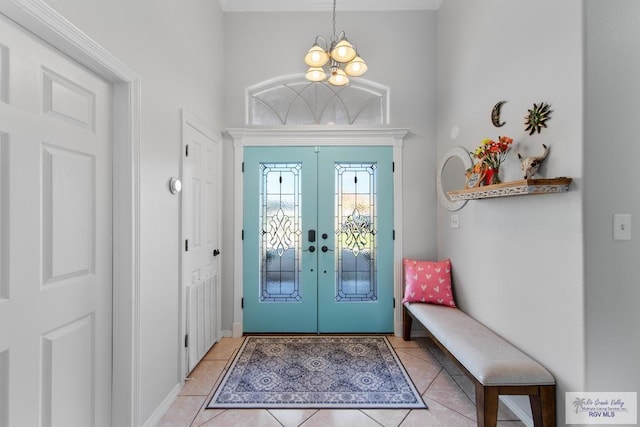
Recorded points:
513,188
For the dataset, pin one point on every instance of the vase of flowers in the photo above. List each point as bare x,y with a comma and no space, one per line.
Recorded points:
490,155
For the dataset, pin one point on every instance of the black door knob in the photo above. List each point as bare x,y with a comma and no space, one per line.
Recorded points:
312,248
216,252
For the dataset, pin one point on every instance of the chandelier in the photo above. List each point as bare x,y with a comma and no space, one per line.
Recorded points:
341,57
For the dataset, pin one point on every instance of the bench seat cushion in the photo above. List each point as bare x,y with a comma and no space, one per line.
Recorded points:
488,357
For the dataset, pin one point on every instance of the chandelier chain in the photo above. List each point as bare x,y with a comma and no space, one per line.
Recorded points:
334,38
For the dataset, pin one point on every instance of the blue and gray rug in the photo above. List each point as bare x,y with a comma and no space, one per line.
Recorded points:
316,372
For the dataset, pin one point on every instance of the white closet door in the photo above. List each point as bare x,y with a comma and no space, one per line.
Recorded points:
201,217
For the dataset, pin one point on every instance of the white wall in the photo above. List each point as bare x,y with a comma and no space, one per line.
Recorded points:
399,48
612,150
176,47
518,261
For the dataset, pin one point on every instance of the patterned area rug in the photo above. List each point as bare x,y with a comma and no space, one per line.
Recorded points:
316,372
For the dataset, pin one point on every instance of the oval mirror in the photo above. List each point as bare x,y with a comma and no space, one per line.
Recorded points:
451,176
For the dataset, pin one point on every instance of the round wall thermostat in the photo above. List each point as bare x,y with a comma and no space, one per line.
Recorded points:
175,185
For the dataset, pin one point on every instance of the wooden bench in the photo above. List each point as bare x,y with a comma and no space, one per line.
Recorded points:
494,365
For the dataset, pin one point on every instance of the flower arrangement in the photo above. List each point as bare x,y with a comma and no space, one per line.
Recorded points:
490,155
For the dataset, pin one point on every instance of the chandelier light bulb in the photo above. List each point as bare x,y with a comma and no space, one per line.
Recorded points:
338,77
356,67
343,51
316,56
315,74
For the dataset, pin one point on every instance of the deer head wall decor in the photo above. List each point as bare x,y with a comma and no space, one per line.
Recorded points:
530,165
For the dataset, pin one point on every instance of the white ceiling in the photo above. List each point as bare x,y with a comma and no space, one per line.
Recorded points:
326,5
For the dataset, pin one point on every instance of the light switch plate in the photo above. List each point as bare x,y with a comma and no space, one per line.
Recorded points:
455,221
622,227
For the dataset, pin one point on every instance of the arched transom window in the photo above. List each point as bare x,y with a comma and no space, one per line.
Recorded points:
292,100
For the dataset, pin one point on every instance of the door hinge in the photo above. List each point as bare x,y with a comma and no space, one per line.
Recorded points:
393,166
186,245
186,340
394,303
242,302
242,167
242,236
186,151
393,237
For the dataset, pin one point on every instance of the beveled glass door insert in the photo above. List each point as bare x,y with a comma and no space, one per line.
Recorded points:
280,231
318,249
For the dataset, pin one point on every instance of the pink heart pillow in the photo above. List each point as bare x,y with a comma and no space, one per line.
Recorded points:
428,282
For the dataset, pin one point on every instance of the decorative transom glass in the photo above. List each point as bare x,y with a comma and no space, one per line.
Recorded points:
292,100
280,232
355,219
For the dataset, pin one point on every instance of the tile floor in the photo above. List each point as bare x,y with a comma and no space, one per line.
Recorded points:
447,392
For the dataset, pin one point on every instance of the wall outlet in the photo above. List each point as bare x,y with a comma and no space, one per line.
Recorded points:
622,227
455,221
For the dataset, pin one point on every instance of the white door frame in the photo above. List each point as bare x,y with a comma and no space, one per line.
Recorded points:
43,21
316,136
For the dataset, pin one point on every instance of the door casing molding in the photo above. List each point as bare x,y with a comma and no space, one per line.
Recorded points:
43,21
319,135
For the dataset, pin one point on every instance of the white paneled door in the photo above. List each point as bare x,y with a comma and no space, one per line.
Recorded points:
201,222
55,237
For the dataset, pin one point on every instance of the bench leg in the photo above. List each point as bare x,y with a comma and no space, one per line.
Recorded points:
407,320
486,405
543,406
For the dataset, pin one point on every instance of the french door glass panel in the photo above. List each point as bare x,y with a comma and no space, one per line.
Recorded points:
318,246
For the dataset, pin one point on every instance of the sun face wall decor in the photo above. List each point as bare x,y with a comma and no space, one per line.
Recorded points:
537,118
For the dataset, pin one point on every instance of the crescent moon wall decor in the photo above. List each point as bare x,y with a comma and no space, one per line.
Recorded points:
495,114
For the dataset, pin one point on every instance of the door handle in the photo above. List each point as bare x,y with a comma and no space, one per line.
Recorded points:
312,236
312,248
326,249
216,252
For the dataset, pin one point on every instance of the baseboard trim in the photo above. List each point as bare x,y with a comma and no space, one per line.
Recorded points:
236,329
226,333
155,418
517,410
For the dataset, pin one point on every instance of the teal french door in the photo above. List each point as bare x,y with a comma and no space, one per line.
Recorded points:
318,239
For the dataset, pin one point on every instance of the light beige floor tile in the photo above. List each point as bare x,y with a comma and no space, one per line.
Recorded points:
243,418
437,415
446,391
292,417
224,349
203,378
206,415
421,372
420,353
507,415
444,360
182,412
504,413
466,385
340,417
387,417
398,342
